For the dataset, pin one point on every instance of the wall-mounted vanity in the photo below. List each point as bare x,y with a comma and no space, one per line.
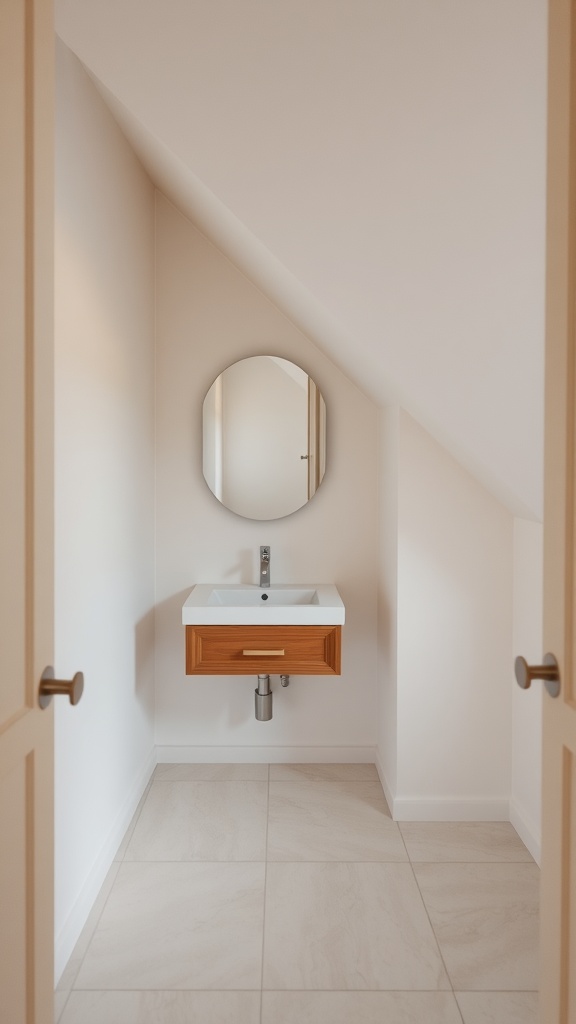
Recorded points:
237,629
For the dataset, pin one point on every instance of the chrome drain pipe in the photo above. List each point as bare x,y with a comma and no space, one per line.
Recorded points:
263,699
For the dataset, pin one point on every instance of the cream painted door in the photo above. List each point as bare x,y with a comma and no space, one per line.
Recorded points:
26,534
558,911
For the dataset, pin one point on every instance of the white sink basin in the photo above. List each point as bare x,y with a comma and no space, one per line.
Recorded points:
245,604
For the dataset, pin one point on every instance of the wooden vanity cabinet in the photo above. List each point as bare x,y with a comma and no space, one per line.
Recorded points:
259,650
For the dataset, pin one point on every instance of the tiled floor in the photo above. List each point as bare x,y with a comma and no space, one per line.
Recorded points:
244,894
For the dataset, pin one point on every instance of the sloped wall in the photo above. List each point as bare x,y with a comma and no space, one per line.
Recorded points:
208,316
401,186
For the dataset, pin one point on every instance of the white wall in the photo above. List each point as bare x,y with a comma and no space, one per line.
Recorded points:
388,430
525,797
454,628
104,490
208,316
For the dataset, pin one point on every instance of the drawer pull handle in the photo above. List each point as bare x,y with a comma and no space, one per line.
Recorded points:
261,654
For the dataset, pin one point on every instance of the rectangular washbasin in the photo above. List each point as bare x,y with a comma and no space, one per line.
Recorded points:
253,597
249,605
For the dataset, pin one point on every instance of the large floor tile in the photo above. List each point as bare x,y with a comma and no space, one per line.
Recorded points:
179,926
323,772
60,1000
358,1008
498,1007
207,821
89,928
485,917
331,821
69,974
490,841
162,1008
74,964
211,772
128,834
348,926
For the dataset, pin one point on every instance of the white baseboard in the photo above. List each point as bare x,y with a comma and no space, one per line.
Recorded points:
70,932
384,783
527,830
442,808
449,809
265,755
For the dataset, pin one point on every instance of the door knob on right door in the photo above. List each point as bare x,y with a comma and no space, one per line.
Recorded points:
548,672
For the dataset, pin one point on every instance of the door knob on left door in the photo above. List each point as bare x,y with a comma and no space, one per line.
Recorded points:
549,672
49,687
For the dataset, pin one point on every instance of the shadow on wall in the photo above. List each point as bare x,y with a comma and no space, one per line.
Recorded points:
144,657
243,571
171,648
386,625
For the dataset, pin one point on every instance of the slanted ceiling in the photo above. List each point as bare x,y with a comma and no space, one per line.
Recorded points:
378,168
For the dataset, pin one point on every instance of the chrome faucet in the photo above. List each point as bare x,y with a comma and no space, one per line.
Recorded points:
265,566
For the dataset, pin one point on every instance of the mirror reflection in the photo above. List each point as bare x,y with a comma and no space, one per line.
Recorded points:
264,437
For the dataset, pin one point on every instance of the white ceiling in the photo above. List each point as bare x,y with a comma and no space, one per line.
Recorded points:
378,167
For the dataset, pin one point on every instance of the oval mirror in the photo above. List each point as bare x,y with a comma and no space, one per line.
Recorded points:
264,437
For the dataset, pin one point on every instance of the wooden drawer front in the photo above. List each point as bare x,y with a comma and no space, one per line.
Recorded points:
219,650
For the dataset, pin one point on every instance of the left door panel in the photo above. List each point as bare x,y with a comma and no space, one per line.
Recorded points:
26,508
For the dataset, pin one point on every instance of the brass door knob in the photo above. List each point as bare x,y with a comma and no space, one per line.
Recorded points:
548,671
49,686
